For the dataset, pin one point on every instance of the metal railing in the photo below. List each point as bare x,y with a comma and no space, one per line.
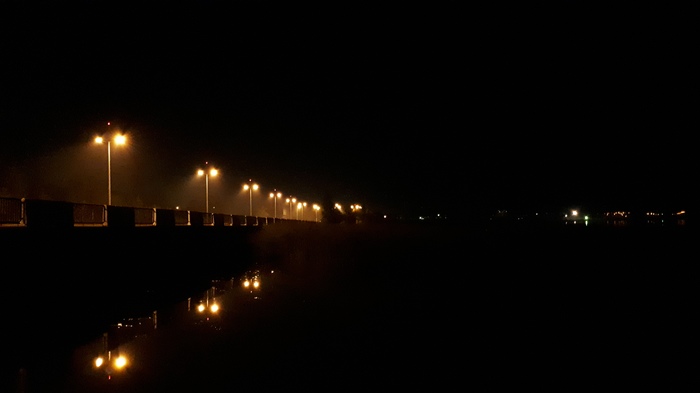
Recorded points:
32,212
89,215
11,211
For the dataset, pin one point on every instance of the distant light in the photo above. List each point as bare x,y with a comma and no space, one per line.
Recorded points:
120,362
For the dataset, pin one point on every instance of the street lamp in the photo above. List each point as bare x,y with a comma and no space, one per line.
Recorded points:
275,196
301,207
119,140
250,188
202,172
291,200
316,209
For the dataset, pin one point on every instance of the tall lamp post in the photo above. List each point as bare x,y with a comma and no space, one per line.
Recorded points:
119,140
291,200
276,195
302,205
316,209
250,187
213,172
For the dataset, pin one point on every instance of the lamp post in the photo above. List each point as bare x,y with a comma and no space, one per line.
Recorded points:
291,200
119,140
202,172
276,195
302,205
316,209
250,187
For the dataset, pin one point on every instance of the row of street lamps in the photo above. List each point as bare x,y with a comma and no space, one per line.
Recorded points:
250,186
120,139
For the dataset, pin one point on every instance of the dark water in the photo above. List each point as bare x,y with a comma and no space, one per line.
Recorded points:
64,287
395,307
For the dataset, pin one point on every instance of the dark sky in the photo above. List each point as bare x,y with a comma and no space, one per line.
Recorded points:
404,111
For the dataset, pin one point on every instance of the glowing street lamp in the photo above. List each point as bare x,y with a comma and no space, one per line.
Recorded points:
119,140
202,172
275,196
250,187
291,200
301,207
316,209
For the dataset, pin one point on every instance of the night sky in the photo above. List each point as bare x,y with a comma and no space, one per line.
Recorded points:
408,112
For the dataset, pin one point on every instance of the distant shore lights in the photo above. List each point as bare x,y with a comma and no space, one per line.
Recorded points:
574,216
